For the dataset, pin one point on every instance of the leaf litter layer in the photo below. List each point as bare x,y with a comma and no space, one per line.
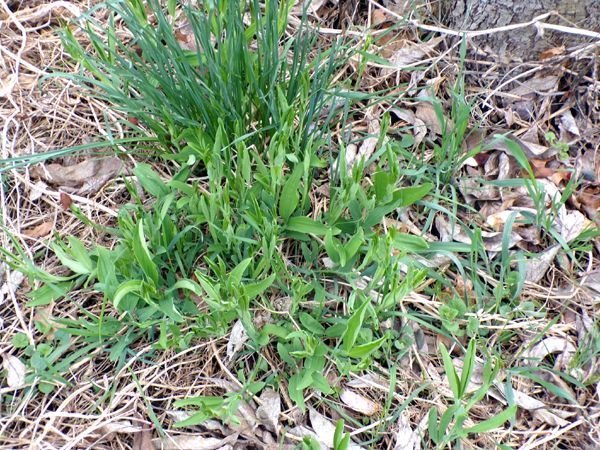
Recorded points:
496,263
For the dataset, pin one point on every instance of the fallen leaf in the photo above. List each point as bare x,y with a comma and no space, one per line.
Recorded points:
406,437
412,53
37,190
536,267
426,112
548,346
237,338
359,403
40,230
86,177
536,84
369,380
551,52
13,281
323,428
65,200
143,440
420,129
537,408
378,17
120,426
193,442
270,409
15,371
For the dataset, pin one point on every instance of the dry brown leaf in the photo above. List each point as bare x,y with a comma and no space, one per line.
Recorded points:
37,190
492,240
237,339
120,426
359,403
270,409
65,200
412,53
537,84
7,84
13,281
43,229
86,177
368,380
378,17
536,267
323,428
15,371
536,407
420,129
551,52
143,440
548,346
426,112
193,442
406,437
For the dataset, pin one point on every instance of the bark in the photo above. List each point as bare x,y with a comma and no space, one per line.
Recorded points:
525,43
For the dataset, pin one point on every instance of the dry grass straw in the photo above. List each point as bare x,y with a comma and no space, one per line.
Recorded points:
102,409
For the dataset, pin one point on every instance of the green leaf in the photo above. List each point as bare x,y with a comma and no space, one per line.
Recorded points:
354,244
255,289
48,293
20,340
311,324
306,225
290,194
79,267
355,323
187,285
363,350
409,243
382,184
407,196
142,254
334,248
450,372
127,287
150,180
235,276
80,253
494,422
468,366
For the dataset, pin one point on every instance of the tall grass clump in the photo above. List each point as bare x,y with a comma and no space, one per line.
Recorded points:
221,68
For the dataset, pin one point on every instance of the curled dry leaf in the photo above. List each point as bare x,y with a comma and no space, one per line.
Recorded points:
536,267
420,129
120,426
43,229
548,346
270,409
13,281
86,177
323,428
536,84
237,339
492,241
369,380
359,403
538,408
15,371
426,112
65,200
193,442
143,440
406,437
412,53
